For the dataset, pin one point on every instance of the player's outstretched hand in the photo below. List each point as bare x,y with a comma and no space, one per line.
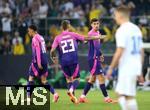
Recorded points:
109,73
102,36
102,58
54,59
40,67
141,79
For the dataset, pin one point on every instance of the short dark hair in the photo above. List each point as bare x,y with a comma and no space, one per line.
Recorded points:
33,27
94,20
124,9
65,24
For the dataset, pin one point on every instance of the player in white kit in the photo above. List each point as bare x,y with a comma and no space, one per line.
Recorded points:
128,57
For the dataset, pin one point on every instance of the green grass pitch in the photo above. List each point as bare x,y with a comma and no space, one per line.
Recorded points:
96,101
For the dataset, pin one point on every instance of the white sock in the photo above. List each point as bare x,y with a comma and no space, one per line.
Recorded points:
132,104
123,103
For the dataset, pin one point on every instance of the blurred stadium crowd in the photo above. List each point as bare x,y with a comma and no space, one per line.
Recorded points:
17,15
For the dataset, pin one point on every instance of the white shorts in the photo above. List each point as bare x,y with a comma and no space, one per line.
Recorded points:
126,84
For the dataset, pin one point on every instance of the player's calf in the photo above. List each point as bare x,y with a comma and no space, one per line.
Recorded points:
51,89
87,87
102,86
72,84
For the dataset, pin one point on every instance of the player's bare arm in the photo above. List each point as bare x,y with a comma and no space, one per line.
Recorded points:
53,55
115,60
102,58
142,55
141,78
94,37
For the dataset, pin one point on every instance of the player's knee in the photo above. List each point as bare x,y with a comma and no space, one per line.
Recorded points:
43,81
69,79
91,81
101,79
76,79
129,97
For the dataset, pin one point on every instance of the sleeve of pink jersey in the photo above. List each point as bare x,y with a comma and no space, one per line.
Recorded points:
55,43
89,34
77,36
38,51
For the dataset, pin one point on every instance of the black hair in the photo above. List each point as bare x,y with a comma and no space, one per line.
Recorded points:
33,27
94,20
65,24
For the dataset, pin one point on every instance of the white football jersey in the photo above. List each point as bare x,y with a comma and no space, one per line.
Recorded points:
129,37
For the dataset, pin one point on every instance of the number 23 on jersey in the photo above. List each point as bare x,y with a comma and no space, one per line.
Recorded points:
67,46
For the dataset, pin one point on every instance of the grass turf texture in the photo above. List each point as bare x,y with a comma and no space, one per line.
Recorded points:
96,102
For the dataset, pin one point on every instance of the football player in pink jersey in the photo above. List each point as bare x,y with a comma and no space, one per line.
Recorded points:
95,57
67,46
39,63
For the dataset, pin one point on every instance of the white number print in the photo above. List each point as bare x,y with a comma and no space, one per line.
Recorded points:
43,46
136,44
67,46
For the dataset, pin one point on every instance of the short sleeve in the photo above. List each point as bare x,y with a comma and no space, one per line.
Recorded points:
89,34
120,38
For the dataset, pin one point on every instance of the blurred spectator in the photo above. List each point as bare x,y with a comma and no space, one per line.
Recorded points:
143,20
83,30
77,12
65,15
108,33
68,5
30,3
111,9
94,13
5,44
18,47
52,11
27,44
144,32
22,28
35,8
54,31
6,24
101,8
118,2
17,39
43,10
5,8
